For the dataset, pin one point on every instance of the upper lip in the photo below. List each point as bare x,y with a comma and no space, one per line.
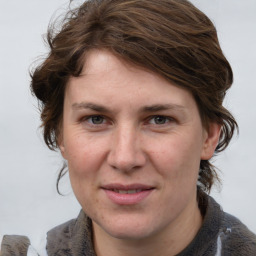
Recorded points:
116,186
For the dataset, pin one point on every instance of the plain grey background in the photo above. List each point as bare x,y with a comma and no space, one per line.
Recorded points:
29,203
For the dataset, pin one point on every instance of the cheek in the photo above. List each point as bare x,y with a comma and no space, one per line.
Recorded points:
84,164
84,156
178,164
177,159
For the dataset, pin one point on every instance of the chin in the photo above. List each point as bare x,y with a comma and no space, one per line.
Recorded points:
132,233
134,229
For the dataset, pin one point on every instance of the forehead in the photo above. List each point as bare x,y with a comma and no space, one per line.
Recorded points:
108,79
100,63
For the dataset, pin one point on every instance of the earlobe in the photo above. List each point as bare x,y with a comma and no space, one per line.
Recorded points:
61,147
211,141
62,150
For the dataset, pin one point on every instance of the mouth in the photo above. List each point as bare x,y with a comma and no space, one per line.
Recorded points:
127,194
132,191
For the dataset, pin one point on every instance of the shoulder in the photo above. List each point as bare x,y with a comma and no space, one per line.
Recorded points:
71,238
14,245
221,233
59,238
236,237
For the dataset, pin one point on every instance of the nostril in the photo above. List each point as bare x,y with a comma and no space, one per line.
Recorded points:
128,164
125,154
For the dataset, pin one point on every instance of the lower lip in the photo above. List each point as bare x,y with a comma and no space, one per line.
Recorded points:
127,199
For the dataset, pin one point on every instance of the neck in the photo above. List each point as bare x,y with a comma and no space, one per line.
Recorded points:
170,241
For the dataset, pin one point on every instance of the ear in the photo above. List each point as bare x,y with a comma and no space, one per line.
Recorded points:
211,140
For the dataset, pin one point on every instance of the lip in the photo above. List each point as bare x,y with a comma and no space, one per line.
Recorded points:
127,199
126,187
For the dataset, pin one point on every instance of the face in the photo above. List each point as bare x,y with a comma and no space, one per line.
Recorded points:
133,142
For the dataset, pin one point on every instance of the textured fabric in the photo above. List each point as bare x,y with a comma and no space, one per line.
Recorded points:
71,238
221,234
14,245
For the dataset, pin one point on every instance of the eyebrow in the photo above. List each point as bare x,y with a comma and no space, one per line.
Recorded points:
161,107
92,106
150,108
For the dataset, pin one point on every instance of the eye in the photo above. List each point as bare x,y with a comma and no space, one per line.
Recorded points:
159,120
96,119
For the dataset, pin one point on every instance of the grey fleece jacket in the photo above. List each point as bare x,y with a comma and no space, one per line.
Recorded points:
220,235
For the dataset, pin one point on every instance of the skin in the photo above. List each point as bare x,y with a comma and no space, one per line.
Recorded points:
125,125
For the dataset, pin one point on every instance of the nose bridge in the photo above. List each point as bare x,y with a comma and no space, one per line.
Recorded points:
126,152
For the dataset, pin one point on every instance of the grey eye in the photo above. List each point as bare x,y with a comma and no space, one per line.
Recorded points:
160,119
96,119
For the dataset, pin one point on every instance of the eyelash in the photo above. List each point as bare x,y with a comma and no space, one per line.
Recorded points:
87,119
166,120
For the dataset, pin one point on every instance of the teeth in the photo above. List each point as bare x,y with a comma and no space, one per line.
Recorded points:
122,192
132,191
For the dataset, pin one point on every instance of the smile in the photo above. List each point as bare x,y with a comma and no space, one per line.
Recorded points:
133,191
127,195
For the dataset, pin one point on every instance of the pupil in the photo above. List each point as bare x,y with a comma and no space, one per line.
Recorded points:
160,120
97,119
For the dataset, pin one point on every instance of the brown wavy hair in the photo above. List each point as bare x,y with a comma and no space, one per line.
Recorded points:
169,37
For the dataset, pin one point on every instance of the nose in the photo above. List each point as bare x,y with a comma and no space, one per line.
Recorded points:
126,153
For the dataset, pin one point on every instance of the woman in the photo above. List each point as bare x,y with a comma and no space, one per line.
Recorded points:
131,93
